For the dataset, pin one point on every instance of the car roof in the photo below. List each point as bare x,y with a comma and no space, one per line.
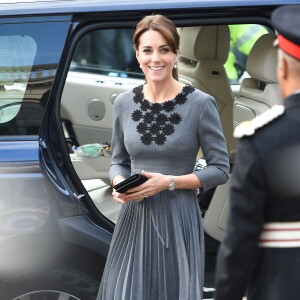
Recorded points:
39,7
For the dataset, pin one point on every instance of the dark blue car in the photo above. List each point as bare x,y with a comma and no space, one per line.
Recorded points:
62,64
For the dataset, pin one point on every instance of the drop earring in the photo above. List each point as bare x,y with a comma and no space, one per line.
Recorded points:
175,65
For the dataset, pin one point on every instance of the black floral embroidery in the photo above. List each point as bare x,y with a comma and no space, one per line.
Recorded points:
141,127
145,105
175,118
154,128
157,120
149,117
138,94
169,106
156,108
168,129
136,115
181,97
161,119
160,139
146,138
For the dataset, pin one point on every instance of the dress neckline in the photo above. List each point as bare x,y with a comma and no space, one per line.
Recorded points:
156,121
180,98
172,99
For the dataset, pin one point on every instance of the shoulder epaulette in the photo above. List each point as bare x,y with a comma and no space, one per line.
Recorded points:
248,127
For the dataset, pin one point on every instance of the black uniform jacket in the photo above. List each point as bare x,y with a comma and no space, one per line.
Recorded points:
265,188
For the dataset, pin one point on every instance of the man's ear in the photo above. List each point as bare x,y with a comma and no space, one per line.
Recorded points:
284,67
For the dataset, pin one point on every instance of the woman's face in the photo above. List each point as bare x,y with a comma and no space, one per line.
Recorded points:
155,56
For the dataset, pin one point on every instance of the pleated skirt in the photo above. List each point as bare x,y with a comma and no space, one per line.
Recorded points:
157,250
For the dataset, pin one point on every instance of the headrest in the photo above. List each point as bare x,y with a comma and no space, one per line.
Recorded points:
205,43
262,59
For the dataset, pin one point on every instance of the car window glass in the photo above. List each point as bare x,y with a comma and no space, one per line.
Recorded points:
109,52
29,55
242,39
16,58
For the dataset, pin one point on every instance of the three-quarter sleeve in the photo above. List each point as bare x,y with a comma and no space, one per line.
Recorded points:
213,146
120,161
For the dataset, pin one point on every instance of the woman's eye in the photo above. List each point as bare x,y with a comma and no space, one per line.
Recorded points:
146,51
165,50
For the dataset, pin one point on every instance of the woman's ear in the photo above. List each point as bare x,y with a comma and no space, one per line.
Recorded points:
137,57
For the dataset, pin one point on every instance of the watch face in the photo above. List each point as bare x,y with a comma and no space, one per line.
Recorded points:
172,185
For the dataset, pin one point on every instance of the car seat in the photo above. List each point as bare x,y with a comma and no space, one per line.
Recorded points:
203,52
261,91
257,94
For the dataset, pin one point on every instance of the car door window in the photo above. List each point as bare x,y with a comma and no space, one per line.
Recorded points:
28,62
242,39
109,52
17,54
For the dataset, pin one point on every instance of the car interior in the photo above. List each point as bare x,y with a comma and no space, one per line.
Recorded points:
203,53
91,88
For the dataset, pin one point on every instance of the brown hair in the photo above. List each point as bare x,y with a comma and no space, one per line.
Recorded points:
164,26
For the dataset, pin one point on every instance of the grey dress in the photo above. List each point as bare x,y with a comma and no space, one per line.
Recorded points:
157,249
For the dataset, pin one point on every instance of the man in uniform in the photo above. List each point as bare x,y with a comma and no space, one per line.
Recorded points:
260,254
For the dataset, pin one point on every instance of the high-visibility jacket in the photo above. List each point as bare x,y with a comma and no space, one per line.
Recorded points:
242,38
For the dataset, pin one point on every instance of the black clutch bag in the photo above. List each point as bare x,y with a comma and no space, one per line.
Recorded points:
130,183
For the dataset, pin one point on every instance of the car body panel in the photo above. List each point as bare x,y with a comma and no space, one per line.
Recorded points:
27,204
94,6
78,6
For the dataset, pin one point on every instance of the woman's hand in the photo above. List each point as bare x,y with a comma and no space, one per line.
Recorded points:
121,197
156,183
118,197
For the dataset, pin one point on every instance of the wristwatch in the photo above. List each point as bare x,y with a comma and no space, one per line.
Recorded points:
172,185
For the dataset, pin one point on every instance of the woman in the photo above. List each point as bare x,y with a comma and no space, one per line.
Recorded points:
157,247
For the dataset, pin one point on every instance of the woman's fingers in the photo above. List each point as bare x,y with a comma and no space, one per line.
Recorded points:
119,197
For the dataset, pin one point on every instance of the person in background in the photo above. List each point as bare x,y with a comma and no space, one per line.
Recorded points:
242,39
157,249
260,254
